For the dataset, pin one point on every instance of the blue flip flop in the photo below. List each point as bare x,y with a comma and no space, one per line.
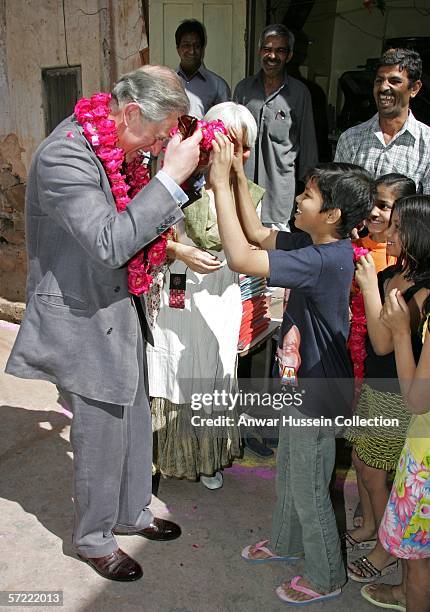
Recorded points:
262,546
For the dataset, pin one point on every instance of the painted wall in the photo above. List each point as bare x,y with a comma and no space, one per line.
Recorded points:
128,36
37,39
104,37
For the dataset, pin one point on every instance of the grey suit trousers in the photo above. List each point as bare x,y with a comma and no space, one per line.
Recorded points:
112,460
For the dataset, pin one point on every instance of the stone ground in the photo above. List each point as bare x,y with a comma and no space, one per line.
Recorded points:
200,572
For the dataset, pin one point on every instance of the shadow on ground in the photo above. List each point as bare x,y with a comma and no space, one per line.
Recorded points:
36,468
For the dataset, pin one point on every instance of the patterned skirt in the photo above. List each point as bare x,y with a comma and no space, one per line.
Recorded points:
379,447
405,528
184,451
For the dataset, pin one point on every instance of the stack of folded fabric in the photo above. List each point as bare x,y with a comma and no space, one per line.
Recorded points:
255,319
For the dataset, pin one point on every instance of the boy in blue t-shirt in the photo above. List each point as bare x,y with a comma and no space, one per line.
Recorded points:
318,268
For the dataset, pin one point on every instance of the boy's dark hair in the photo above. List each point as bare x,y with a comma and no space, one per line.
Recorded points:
405,58
414,234
402,185
348,187
190,26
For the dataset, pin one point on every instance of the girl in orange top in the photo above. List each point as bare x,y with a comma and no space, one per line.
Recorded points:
390,187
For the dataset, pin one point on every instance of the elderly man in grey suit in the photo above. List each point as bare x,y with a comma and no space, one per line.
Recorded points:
82,330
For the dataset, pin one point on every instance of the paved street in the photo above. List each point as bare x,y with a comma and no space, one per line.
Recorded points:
200,572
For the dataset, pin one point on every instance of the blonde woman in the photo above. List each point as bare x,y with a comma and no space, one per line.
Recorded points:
195,347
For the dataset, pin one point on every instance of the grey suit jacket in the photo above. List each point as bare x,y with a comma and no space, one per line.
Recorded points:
80,327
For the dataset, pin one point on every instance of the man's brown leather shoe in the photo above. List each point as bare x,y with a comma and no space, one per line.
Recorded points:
159,529
116,566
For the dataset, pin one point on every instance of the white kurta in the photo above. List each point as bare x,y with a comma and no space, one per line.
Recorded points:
195,348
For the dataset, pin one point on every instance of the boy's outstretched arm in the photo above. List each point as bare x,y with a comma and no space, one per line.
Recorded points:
254,230
240,256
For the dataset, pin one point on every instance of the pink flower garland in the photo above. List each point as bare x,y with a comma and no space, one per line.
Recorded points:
126,181
208,129
357,336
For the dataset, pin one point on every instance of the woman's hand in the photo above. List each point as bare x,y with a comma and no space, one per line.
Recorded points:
395,313
365,274
196,259
236,137
221,160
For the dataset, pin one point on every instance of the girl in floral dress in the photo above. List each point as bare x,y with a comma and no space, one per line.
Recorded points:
405,528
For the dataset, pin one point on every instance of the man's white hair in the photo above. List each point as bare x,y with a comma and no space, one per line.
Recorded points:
156,89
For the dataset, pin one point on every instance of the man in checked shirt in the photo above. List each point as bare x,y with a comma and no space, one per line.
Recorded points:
392,140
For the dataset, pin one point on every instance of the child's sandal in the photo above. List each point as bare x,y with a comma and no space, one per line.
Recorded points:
350,543
246,554
363,570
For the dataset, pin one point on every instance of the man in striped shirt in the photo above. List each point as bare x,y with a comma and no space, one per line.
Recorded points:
392,140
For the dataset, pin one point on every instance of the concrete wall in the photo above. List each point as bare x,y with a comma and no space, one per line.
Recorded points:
128,36
104,37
